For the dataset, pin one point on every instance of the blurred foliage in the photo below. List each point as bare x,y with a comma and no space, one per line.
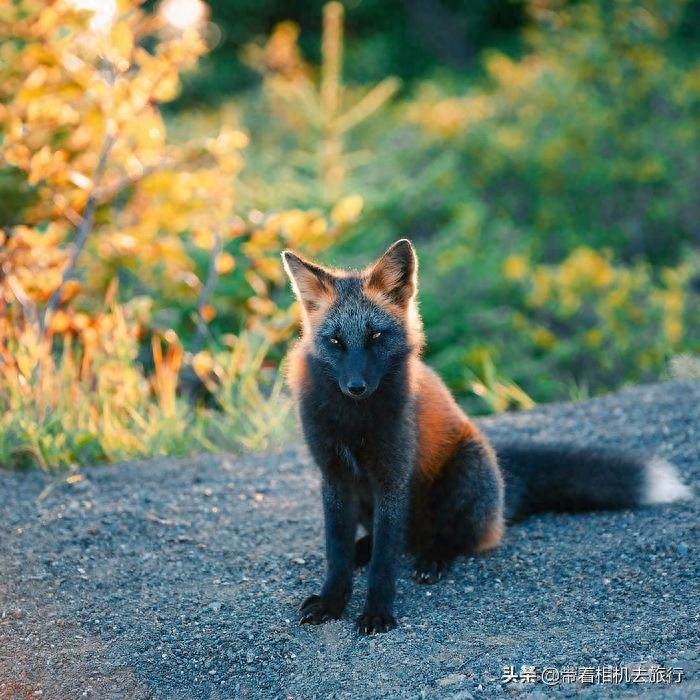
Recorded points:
100,202
592,129
550,191
575,157
583,145
406,38
92,402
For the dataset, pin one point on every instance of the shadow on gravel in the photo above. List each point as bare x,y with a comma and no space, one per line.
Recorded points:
181,579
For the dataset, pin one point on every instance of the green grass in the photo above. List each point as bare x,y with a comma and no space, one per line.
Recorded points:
86,406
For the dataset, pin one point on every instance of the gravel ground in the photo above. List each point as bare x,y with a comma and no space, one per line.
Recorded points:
181,579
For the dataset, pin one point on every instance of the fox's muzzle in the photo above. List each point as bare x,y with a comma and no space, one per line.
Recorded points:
355,378
355,388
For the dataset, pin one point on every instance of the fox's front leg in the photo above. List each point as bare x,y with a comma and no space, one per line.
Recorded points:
388,529
340,512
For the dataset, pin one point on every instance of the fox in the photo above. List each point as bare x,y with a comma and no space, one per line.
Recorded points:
399,457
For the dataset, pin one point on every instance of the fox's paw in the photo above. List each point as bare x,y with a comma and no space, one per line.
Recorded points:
375,622
316,610
430,570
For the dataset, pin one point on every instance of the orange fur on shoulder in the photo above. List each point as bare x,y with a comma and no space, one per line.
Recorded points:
442,426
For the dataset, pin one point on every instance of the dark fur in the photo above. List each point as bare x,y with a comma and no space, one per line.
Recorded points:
366,473
564,478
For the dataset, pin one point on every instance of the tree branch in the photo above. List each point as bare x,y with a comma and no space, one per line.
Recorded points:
206,292
83,231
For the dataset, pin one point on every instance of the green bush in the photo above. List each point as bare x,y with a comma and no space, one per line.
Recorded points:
577,156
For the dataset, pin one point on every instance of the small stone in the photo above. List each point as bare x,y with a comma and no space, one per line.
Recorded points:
452,679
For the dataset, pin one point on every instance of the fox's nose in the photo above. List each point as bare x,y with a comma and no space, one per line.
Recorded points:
357,387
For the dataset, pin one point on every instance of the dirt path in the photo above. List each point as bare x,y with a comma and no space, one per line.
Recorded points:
181,578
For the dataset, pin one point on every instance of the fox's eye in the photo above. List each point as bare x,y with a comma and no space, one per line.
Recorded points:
375,335
335,341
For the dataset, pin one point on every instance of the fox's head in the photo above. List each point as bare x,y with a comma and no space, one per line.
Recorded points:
361,325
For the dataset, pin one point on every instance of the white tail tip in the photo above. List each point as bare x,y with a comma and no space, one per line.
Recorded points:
663,484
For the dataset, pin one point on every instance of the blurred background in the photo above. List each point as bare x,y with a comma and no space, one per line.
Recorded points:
155,158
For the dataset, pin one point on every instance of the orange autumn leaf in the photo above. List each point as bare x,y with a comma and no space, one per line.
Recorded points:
208,313
225,263
69,290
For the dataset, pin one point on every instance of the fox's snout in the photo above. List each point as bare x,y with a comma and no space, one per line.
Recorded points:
356,388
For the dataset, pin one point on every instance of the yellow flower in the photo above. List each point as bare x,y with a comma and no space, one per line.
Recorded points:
542,288
515,268
594,338
544,338
674,330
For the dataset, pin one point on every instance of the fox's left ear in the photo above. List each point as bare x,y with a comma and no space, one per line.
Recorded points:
395,274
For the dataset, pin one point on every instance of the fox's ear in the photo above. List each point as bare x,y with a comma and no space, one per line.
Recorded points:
395,274
312,284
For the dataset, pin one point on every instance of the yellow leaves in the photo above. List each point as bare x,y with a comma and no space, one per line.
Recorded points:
280,56
295,224
517,75
228,140
543,338
62,94
593,338
182,51
347,210
59,322
498,393
587,307
36,78
448,117
673,327
167,86
121,46
33,264
204,239
69,290
225,263
515,268
261,306
270,268
541,287
203,364
17,154
46,164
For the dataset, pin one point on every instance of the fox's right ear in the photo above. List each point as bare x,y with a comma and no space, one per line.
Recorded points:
312,284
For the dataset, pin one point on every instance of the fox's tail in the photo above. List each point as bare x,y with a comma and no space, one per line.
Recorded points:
567,478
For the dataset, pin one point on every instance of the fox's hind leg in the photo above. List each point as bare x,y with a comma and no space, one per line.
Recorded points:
462,512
